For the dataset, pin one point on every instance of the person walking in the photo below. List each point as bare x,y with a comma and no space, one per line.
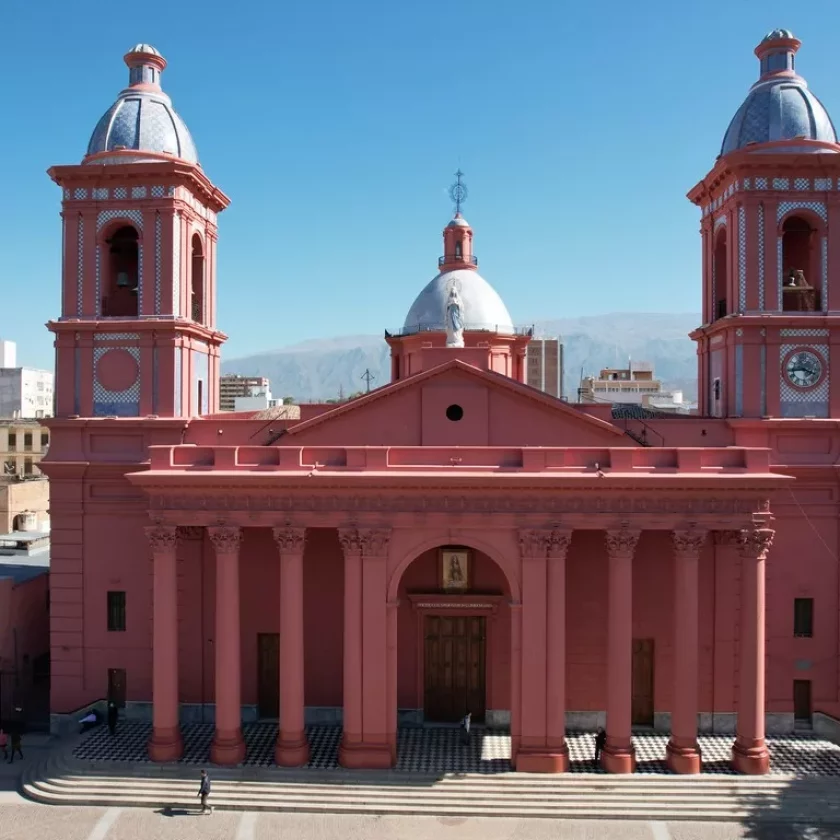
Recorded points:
465,728
16,746
113,714
4,744
204,792
600,741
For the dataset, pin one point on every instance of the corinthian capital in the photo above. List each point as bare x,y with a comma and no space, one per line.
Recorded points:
756,542
622,541
290,540
689,541
375,541
162,538
558,543
351,541
226,539
533,543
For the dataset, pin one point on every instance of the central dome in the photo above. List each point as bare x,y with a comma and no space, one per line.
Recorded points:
483,309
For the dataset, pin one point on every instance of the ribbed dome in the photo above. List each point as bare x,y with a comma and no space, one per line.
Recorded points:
142,119
779,105
483,309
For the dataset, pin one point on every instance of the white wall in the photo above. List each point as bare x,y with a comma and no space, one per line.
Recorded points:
8,354
26,392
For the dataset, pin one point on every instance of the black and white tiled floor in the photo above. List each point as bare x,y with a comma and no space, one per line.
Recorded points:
439,750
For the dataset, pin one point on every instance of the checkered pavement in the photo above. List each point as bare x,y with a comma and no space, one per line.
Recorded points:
439,750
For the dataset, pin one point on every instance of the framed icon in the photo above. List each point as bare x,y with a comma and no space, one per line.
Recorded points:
455,569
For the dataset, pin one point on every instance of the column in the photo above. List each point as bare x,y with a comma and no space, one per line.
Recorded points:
166,743
618,755
542,745
366,741
749,752
683,751
228,747
393,703
292,748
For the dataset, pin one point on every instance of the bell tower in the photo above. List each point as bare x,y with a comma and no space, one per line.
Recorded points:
137,333
771,252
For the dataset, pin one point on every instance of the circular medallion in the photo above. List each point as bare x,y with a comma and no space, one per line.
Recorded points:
803,368
116,370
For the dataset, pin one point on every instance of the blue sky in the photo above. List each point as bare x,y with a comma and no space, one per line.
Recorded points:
335,128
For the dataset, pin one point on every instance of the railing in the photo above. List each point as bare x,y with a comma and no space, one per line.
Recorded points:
572,461
469,326
453,258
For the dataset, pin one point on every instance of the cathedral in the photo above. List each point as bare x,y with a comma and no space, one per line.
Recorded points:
454,541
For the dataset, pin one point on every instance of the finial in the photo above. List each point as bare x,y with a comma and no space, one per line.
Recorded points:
458,192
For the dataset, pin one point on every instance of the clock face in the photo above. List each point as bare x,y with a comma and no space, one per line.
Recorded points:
804,369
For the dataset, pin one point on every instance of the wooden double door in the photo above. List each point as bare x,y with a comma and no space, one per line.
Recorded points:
454,668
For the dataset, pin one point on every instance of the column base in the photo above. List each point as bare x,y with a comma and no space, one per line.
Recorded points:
292,753
166,745
361,756
621,760
228,750
751,761
684,760
545,760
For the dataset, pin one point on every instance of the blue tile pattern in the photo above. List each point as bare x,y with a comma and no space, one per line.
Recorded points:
803,402
439,750
761,257
158,227
817,207
80,273
742,259
824,273
780,274
124,403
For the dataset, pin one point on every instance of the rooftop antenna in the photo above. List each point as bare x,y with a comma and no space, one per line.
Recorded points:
458,192
368,378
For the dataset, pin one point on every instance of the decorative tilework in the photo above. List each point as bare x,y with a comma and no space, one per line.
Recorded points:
439,750
781,183
720,220
158,192
747,183
80,192
140,283
817,207
116,336
105,216
761,257
801,183
115,402
97,304
824,289
761,183
100,193
157,262
170,192
120,192
176,265
67,193
798,402
80,268
742,259
822,183
807,333
138,192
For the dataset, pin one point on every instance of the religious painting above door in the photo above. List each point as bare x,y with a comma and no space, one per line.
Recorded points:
455,569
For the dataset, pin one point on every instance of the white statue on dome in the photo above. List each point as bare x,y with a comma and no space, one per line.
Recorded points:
454,317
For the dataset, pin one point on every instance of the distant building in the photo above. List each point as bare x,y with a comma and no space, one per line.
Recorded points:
233,386
22,445
620,385
544,365
24,392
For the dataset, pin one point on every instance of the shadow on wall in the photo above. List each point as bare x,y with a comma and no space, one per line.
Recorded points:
794,811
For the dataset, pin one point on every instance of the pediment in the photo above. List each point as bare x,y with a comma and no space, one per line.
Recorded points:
456,404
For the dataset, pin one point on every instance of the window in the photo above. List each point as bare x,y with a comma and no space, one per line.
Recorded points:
27,442
12,441
803,617
27,466
45,440
116,612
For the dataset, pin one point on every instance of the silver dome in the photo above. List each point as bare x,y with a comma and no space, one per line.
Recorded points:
779,106
143,119
482,307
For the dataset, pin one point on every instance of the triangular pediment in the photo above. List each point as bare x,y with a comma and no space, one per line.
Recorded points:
455,404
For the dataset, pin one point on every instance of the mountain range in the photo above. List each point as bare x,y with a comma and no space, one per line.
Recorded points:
322,369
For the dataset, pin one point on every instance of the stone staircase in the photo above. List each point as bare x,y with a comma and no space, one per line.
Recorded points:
63,780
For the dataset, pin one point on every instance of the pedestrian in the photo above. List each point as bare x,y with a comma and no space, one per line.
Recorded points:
113,714
4,744
16,748
600,741
204,792
465,728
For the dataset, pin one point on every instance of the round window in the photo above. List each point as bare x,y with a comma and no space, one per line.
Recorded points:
454,413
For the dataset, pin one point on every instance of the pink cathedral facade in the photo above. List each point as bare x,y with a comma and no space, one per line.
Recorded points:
455,540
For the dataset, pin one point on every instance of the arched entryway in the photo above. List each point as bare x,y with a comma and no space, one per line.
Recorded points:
451,647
